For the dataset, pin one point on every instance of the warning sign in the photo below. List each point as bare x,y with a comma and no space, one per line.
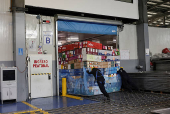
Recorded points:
40,50
40,63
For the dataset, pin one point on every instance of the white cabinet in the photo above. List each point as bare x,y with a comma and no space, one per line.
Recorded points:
8,80
12,92
5,93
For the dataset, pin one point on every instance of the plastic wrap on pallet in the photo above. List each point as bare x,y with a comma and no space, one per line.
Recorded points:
79,82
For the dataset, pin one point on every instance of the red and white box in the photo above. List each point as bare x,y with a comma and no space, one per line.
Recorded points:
80,45
80,56
104,47
64,48
88,44
95,51
76,45
70,47
60,49
87,51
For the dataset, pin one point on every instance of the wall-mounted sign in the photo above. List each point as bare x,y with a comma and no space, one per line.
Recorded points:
48,38
32,45
20,51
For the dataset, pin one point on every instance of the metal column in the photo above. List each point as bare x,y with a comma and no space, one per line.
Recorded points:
19,47
142,36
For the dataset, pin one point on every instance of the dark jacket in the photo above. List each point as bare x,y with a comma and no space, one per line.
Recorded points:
99,74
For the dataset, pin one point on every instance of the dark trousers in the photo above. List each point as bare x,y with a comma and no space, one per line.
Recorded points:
128,84
102,88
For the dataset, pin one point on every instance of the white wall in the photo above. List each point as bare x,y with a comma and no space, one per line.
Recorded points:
128,40
32,32
159,38
6,39
101,7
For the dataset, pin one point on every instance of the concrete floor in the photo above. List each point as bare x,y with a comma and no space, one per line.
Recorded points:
42,103
121,103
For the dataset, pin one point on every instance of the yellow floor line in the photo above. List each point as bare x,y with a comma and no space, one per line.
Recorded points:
74,97
33,111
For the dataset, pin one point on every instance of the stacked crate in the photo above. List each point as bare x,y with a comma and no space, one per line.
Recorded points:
76,56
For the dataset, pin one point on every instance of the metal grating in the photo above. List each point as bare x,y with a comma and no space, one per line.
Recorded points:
121,103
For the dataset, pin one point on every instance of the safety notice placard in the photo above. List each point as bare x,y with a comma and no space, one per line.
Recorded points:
48,38
41,64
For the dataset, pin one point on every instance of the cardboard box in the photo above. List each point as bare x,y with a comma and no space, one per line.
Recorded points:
98,46
88,44
77,60
103,57
67,66
76,45
78,65
71,53
87,57
67,52
84,51
101,52
104,66
71,62
110,47
64,48
95,52
97,58
87,51
70,47
113,58
80,45
60,49
117,63
104,47
72,58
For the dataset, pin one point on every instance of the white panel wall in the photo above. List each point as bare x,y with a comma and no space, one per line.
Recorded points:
32,32
159,38
128,40
4,5
101,7
6,39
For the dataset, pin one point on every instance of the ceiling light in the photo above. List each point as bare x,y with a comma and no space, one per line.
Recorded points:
153,13
114,40
151,3
59,43
72,38
149,15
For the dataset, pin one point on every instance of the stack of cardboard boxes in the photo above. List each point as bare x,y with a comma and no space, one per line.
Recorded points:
72,59
87,54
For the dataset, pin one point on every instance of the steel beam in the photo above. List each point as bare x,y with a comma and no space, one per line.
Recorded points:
142,36
158,4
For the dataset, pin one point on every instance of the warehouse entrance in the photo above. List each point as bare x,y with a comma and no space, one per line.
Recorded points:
86,43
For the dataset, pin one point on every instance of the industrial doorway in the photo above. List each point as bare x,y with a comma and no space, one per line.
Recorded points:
95,30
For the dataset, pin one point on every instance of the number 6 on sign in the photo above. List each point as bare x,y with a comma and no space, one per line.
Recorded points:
48,40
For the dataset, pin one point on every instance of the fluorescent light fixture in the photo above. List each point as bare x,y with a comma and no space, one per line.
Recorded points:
149,15
114,40
72,38
152,13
